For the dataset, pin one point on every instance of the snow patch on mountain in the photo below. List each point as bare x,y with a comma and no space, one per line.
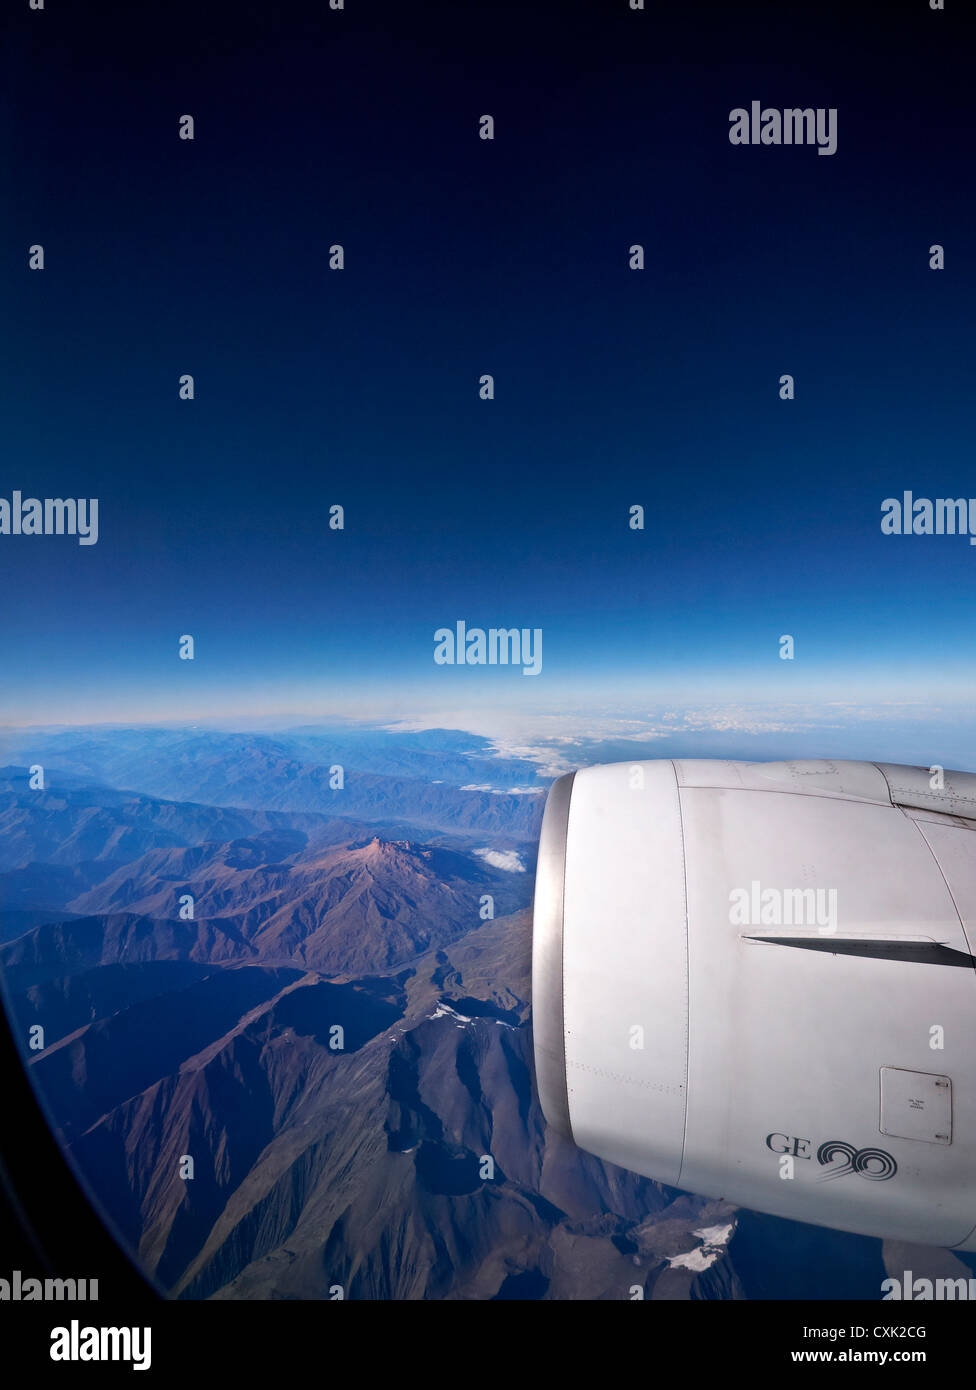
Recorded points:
714,1240
445,1011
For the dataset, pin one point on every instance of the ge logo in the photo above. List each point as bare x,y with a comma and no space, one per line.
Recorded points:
838,1156
875,1164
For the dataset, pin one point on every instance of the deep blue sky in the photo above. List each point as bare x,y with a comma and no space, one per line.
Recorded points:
464,257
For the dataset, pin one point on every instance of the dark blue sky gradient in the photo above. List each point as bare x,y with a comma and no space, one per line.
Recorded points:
464,257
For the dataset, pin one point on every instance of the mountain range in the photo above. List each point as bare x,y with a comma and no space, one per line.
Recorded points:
327,1016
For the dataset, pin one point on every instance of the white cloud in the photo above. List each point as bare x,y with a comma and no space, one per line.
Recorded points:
558,742
507,859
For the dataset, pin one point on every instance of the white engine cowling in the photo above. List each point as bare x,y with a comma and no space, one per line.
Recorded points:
755,981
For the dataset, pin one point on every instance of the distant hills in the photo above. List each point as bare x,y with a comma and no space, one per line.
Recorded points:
72,820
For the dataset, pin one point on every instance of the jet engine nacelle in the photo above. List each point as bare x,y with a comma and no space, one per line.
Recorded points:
755,981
